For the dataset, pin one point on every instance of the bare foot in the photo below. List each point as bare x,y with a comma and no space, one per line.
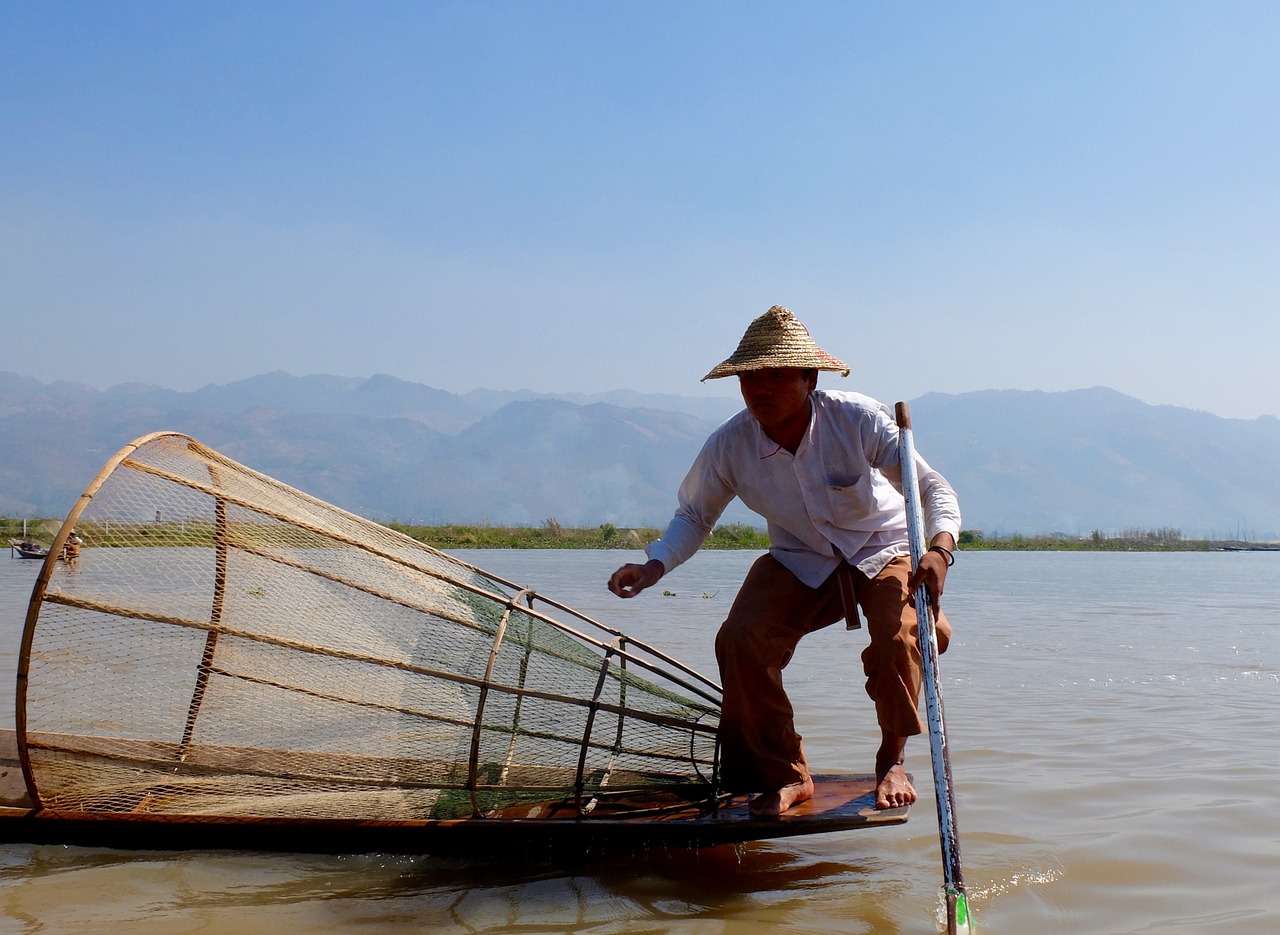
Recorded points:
893,788
771,804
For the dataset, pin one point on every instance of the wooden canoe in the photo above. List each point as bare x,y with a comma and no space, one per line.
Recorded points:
27,549
638,821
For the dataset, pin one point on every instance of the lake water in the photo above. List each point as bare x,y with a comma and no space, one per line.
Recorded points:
1115,731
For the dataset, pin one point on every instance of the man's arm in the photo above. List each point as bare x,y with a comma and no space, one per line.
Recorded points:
703,495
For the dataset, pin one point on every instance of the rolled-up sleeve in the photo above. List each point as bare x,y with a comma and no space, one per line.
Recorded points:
939,500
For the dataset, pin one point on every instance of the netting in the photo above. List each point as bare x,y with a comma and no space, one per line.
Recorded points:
226,645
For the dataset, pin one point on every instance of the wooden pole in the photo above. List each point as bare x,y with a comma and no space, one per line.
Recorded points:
952,873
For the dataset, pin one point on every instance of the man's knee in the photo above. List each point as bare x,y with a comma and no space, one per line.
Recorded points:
724,644
751,647
734,633
894,653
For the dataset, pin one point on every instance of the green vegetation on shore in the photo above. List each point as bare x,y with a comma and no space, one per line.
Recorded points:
11,528
1165,539
552,535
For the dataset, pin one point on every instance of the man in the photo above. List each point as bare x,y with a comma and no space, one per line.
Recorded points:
71,548
823,469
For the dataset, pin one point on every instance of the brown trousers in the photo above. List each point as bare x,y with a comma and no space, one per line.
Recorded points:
760,749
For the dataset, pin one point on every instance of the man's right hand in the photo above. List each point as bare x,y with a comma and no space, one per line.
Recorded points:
631,579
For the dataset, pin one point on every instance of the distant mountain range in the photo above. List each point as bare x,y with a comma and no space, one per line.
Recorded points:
1022,461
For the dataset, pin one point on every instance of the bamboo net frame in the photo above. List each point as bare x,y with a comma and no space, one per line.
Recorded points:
227,645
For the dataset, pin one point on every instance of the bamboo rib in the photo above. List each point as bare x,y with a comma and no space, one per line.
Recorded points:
215,619
38,594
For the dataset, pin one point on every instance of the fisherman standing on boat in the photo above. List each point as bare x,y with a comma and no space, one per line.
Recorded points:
71,548
823,469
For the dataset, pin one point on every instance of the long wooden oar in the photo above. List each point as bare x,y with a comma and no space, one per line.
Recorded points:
952,873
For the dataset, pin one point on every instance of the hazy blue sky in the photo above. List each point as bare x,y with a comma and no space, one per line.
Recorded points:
600,195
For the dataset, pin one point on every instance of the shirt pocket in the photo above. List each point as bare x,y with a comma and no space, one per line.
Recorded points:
852,505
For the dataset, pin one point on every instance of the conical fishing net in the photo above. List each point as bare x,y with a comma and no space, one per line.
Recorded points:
226,645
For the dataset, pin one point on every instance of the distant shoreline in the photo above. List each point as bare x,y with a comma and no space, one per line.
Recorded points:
552,535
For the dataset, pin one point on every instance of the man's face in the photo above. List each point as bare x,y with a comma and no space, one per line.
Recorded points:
778,398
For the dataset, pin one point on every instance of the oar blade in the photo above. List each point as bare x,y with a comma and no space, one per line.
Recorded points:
958,922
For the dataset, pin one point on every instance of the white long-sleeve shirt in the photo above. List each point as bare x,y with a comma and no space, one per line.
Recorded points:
838,497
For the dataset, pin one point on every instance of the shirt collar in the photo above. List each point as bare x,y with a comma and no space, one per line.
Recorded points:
767,448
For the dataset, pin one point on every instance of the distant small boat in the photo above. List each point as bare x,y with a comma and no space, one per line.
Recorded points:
27,549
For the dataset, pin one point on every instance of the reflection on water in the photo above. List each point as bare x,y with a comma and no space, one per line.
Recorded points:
1115,749
751,888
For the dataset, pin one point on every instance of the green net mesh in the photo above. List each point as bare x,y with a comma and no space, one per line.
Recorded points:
226,645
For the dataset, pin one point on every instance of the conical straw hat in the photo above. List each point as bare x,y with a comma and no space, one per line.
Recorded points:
777,339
